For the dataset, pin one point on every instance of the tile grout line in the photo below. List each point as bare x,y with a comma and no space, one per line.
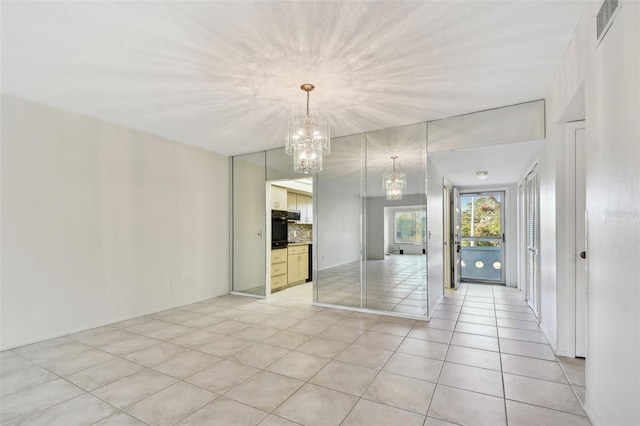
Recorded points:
504,388
445,356
376,376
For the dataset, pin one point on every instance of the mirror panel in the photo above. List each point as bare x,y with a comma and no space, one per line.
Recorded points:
396,230
280,166
338,192
510,124
249,211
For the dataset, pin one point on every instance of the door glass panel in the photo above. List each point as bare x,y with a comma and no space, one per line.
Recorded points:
249,218
481,246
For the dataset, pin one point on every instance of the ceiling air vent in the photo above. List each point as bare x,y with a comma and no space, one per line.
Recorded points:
605,17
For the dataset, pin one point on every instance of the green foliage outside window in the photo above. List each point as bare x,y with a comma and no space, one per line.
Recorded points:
481,217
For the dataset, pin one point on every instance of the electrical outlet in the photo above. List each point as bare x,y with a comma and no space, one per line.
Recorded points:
171,285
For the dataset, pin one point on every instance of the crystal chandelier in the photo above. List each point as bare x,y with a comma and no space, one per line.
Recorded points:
307,139
394,182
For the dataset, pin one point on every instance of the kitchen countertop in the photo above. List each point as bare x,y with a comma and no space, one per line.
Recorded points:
298,244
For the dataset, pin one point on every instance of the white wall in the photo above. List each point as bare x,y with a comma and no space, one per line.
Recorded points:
97,219
435,247
555,317
547,233
610,73
613,205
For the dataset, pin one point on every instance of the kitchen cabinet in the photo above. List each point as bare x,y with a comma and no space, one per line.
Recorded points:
291,201
278,198
305,205
297,263
279,259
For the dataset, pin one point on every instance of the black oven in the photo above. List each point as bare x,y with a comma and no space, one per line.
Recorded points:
279,229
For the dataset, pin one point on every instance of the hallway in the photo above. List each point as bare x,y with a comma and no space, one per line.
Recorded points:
240,361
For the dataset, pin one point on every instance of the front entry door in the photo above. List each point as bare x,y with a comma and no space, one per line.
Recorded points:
482,237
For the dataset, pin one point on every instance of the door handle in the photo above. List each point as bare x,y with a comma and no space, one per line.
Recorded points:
583,254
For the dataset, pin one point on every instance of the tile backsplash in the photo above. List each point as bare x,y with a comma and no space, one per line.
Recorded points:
300,232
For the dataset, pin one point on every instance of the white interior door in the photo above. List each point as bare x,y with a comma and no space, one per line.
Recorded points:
533,295
457,235
580,244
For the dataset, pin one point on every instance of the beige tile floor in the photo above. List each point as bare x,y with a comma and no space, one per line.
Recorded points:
241,361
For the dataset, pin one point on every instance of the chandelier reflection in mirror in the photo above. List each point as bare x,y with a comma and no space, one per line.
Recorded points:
394,182
307,139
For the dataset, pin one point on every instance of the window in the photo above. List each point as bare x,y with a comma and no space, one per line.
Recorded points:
409,226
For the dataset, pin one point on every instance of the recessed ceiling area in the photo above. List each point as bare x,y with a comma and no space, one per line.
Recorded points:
505,164
224,76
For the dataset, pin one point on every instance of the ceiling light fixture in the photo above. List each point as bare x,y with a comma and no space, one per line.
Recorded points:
394,182
482,175
307,139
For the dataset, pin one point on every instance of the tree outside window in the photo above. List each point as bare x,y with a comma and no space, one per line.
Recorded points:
480,218
409,226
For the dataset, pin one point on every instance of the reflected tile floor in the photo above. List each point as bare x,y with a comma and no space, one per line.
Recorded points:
236,360
393,284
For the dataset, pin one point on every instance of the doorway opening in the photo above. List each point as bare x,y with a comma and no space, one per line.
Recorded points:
289,251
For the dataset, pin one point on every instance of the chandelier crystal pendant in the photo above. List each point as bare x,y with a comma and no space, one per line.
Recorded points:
394,182
307,139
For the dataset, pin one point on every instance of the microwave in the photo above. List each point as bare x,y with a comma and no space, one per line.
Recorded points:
293,215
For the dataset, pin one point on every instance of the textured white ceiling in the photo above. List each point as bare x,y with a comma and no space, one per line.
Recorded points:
225,75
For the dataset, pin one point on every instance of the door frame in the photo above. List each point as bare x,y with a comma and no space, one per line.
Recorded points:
455,230
580,244
567,251
447,234
521,240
